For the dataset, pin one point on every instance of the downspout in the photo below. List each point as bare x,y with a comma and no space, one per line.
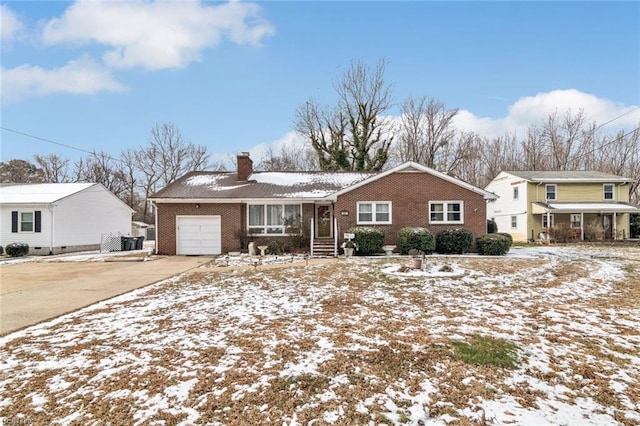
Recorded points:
335,236
155,223
51,237
313,232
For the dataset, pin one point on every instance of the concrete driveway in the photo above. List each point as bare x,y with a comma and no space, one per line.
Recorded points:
33,292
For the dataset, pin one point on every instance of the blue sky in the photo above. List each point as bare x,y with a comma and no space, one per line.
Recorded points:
99,76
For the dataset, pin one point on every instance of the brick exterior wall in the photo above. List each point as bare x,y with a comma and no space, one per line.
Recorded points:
410,193
232,222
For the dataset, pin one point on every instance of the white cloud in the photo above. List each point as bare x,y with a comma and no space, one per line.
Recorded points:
535,109
82,76
157,35
10,24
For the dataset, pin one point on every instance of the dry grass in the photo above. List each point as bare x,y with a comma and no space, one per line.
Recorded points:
340,343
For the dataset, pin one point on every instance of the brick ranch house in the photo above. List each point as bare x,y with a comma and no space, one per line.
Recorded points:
208,213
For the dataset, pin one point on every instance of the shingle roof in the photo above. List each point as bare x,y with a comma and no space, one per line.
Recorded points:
225,185
577,175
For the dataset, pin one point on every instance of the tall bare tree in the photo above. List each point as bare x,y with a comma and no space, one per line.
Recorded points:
55,169
101,168
426,130
289,158
352,135
166,157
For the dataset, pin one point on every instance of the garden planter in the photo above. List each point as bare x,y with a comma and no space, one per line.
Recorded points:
416,263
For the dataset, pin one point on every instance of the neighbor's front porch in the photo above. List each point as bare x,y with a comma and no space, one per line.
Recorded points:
582,221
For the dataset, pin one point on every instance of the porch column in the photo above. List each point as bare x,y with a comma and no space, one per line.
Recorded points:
548,220
581,226
614,226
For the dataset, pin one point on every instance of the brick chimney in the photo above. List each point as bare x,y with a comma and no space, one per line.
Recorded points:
245,166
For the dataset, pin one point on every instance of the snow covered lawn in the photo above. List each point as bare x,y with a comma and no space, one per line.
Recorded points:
350,342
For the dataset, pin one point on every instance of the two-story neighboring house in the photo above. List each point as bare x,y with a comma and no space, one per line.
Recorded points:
532,202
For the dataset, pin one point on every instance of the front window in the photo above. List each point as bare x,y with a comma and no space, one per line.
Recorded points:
547,223
608,191
26,222
576,221
374,212
272,219
514,222
445,212
551,192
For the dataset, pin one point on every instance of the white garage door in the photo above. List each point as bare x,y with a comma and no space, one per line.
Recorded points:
198,235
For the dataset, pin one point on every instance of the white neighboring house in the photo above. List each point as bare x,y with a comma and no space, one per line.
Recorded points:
60,217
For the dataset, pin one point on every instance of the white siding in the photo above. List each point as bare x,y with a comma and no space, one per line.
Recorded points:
77,220
34,239
82,218
502,209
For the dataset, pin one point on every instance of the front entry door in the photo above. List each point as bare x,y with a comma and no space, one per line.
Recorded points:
324,220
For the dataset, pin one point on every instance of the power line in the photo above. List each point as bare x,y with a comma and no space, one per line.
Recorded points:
55,143
616,118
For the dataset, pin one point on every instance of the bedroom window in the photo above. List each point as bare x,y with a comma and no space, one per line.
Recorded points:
30,221
607,190
446,212
26,222
551,192
378,212
272,219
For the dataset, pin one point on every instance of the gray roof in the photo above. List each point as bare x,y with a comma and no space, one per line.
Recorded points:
267,185
568,176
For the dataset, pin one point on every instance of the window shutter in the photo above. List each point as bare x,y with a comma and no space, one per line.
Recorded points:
37,226
14,221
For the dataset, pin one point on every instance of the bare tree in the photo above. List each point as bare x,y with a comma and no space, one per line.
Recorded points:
129,168
353,135
562,136
101,168
289,158
55,169
167,157
426,130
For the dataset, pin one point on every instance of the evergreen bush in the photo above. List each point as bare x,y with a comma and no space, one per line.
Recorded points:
369,240
1,251
454,241
416,238
494,244
17,249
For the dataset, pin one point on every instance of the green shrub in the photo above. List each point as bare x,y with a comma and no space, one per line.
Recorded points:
492,226
494,244
415,238
507,236
275,247
17,249
1,251
454,241
369,240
